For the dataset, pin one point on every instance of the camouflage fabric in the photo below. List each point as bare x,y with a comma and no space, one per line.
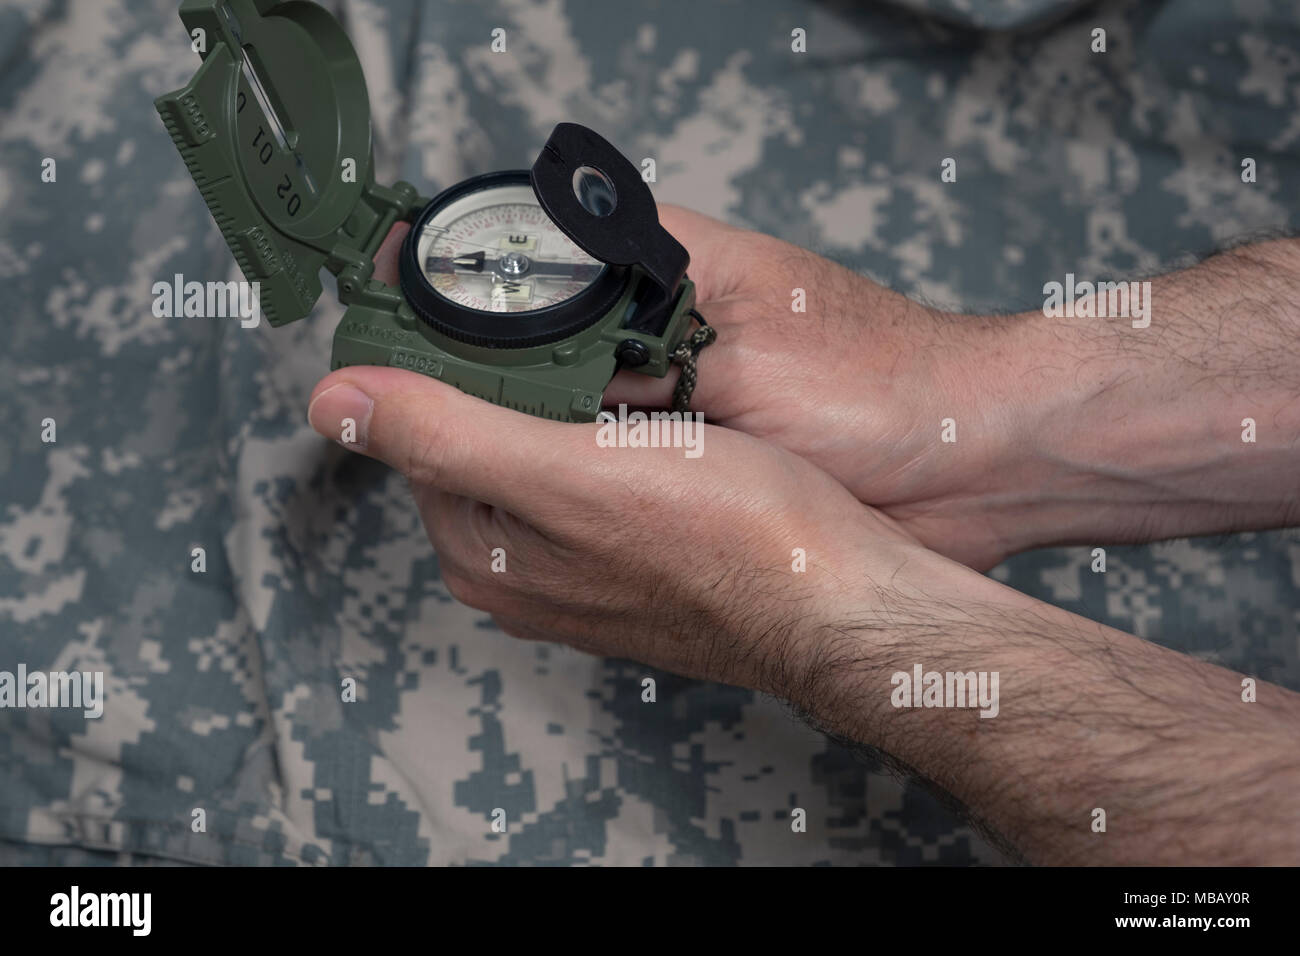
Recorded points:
223,687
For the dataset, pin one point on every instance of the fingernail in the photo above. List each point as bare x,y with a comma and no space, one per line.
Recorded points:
342,412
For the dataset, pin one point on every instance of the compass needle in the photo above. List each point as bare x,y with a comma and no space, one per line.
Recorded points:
530,263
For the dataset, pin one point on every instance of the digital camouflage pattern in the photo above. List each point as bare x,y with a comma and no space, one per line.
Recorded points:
223,688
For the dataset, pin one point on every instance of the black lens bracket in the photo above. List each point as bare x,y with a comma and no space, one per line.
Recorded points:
598,199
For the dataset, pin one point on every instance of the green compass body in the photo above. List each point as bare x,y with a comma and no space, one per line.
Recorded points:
528,288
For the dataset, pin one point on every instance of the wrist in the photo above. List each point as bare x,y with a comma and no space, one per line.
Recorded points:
978,487
1028,716
1113,436
872,610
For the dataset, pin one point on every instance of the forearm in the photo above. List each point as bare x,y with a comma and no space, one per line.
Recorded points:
1085,718
1117,433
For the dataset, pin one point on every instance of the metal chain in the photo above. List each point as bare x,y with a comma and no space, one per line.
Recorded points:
684,356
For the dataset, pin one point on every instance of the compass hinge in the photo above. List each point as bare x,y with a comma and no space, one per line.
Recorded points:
352,258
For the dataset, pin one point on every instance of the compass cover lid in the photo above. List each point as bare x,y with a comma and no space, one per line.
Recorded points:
275,130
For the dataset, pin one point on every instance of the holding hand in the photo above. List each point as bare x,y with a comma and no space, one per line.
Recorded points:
684,563
1068,432
984,436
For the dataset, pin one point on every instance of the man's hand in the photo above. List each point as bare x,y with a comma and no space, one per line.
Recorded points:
858,381
689,565
684,563
1068,430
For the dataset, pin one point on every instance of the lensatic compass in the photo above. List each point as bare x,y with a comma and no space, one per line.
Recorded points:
528,288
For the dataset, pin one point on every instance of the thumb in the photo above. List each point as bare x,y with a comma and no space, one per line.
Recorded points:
437,435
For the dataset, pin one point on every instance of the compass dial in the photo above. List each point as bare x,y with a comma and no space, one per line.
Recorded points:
495,250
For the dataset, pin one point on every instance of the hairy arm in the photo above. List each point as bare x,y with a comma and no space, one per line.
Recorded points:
1120,434
1086,718
1069,429
1087,429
